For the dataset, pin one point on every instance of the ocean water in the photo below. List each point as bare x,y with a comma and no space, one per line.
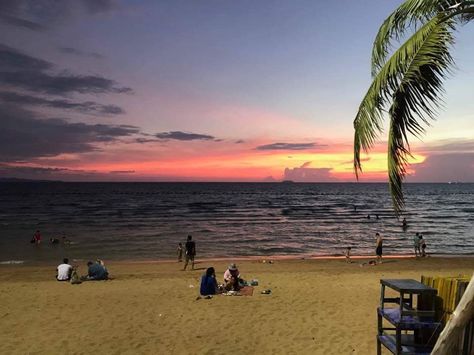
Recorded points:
143,221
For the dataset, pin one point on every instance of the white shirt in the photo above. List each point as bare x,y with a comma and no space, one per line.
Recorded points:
64,272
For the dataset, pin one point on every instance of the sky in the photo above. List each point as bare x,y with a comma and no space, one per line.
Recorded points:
212,90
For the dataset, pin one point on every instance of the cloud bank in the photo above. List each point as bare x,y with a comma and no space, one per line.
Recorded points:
306,174
183,136
287,146
25,136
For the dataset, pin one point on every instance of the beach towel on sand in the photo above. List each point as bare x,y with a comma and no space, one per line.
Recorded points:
246,291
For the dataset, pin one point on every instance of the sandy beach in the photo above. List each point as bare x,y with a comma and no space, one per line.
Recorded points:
316,307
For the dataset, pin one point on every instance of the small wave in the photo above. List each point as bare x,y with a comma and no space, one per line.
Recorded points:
11,262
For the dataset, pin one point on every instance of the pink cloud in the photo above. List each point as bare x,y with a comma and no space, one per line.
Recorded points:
444,168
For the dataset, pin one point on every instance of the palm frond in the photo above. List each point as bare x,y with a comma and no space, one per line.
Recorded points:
417,97
408,15
368,121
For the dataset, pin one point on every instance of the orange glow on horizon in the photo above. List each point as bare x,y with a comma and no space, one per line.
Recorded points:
228,165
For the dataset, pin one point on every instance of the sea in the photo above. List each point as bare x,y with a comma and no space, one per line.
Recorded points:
146,221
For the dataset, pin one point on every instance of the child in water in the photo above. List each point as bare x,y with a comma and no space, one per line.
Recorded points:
179,251
348,255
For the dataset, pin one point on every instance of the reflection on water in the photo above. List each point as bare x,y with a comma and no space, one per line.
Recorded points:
147,220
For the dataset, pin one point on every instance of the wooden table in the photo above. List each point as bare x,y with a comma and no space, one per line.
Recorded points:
416,320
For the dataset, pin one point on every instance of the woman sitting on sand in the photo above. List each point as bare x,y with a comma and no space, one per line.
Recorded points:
231,278
209,283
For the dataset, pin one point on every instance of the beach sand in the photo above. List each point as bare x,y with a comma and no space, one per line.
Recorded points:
316,307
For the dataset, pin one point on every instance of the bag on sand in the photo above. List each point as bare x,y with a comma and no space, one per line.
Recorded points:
75,279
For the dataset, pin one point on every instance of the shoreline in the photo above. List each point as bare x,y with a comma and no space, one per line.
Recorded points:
258,258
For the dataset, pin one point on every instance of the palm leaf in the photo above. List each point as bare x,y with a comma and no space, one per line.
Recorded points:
368,121
410,14
410,61
417,97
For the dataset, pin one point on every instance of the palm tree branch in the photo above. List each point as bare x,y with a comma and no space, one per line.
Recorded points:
417,96
368,121
408,15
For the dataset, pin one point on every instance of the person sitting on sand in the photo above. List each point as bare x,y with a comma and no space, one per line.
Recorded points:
378,247
209,283
96,271
231,278
64,271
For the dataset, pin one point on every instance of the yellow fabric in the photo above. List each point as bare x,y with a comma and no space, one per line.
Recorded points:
449,292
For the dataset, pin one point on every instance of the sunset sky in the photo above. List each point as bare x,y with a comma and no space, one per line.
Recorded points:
207,90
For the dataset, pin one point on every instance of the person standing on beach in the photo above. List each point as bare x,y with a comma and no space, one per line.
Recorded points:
37,237
416,244
422,243
179,251
190,252
378,247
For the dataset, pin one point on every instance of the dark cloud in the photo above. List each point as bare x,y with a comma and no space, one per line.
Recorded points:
306,174
240,141
145,140
79,53
288,146
14,60
98,6
19,22
23,136
183,136
40,14
46,173
20,171
444,168
61,84
122,172
87,107
450,146
26,72
28,171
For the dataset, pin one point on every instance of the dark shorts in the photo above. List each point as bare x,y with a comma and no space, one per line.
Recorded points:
378,251
189,257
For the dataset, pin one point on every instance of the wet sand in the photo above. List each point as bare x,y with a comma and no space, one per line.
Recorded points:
316,307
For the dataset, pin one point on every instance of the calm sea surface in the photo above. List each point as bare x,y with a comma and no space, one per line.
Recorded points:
147,220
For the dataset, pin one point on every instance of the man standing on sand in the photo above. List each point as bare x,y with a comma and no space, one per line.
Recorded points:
378,247
190,252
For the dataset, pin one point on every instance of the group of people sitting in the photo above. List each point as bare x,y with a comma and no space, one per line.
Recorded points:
232,281
96,270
